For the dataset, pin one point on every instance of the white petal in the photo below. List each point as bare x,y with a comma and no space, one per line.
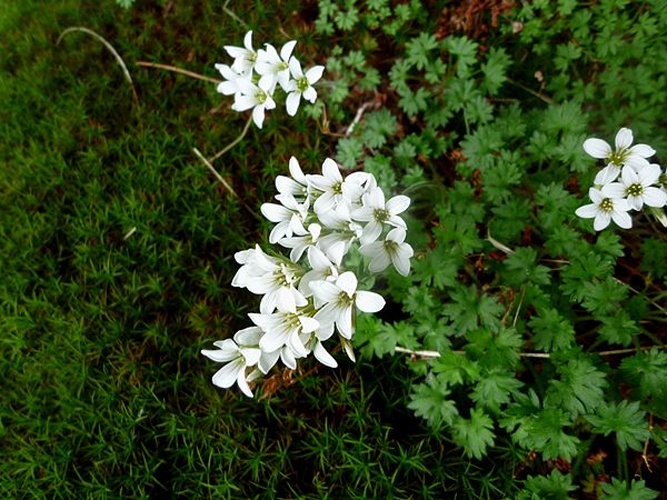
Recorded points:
314,74
292,103
323,356
607,174
643,150
344,322
622,219
597,148
288,359
623,138
286,50
295,68
398,204
613,190
655,197
369,301
649,174
587,211
258,116
243,384
601,221
228,374
347,282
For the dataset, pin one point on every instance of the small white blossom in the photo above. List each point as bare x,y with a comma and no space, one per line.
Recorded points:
274,68
608,204
623,154
376,213
339,298
244,57
239,355
253,96
301,85
393,250
639,187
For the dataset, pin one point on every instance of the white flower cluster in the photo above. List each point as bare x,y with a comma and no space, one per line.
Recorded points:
254,77
638,185
309,296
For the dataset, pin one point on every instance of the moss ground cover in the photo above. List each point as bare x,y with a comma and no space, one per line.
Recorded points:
117,254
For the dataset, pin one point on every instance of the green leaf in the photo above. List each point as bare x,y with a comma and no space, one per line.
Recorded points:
647,373
555,486
455,369
521,267
619,328
580,388
626,420
495,69
544,433
474,434
429,401
551,331
494,389
419,50
620,490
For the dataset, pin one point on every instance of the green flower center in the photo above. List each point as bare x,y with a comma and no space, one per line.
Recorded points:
607,205
302,84
345,300
337,188
618,157
282,66
635,189
260,97
381,214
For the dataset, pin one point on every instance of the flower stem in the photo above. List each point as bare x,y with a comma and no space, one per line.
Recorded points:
177,70
233,143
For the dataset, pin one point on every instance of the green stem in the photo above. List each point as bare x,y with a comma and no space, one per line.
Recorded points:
233,143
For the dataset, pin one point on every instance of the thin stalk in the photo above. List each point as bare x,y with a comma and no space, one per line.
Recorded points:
233,143
222,180
110,48
174,69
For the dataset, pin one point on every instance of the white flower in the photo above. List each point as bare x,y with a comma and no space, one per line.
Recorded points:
393,250
273,67
301,85
608,204
299,244
339,297
253,96
639,189
289,217
377,213
254,263
239,355
296,185
230,85
284,329
321,269
244,57
623,154
335,191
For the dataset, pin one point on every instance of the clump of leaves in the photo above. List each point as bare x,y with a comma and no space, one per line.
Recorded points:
525,330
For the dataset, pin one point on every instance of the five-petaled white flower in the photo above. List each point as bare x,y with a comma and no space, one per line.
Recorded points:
393,250
608,204
639,189
623,154
301,85
274,68
376,213
253,96
339,298
244,57
239,354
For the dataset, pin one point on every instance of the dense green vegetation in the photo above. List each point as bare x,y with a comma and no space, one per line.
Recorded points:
117,253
